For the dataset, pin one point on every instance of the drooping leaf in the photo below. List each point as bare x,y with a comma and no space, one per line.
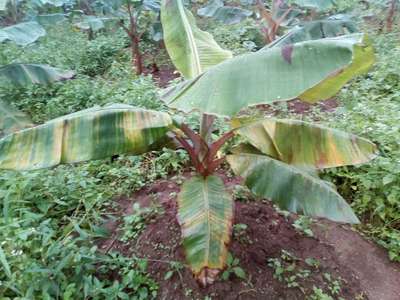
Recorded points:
291,188
3,4
314,70
205,214
94,133
318,5
50,19
210,9
192,50
91,22
363,59
156,31
304,144
23,33
230,15
25,74
152,5
227,14
315,30
55,3
247,2
11,119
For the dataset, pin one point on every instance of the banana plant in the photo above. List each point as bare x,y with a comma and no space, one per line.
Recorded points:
11,119
25,74
277,158
224,13
134,17
22,34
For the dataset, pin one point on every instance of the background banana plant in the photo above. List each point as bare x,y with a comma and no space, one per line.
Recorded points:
11,119
25,74
277,159
23,33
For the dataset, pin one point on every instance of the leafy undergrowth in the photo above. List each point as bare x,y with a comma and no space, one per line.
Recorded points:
103,75
272,256
50,218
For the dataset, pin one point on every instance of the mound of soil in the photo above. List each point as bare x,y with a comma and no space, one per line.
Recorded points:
339,254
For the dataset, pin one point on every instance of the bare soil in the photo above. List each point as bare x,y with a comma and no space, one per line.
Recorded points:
162,74
300,107
361,267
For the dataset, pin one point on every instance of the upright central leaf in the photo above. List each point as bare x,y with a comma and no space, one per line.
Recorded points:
205,215
192,50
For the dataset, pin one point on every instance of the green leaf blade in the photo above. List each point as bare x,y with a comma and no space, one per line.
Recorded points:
192,50
22,34
205,213
91,134
290,188
11,119
315,30
304,144
25,74
313,70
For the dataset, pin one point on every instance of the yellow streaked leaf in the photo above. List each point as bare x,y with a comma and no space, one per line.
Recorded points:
304,144
94,133
192,50
205,214
291,188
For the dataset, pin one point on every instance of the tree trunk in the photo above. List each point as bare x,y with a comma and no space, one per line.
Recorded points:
137,60
390,17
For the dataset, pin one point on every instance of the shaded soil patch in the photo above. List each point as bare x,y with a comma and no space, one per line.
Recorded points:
302,108
162,74
267,234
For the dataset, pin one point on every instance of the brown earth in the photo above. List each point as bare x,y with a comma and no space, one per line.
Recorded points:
162,75
300,107
361,267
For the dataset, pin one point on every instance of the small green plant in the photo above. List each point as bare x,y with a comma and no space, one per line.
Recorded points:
175,268
241,193
239,233
287,271
302,224
334,285
318,294
233,268
135,223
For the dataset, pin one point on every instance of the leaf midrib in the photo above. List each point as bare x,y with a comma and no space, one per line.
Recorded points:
192,44
207,213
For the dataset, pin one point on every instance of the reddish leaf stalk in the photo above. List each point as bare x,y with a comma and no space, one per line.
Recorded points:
202,154
135,37
390,17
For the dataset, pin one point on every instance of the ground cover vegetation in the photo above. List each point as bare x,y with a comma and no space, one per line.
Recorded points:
52,219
